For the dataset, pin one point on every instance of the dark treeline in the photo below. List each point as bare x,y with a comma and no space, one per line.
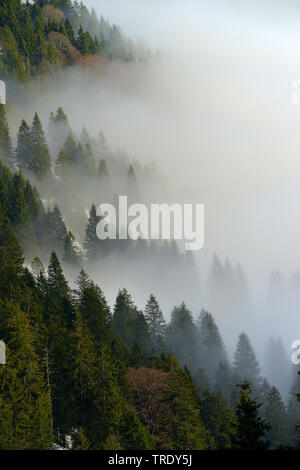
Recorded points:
80,376
43,35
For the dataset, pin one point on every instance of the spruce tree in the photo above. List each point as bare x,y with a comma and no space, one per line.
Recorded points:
25,407
24,150
225,380
245,363
60,348
71,251
11,62
218,417
250,428
156,323
211,347
5,140
40,162
182,336
124,318
276,415
92,244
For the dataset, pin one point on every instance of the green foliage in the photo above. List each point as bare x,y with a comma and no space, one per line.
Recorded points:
250,428
245,363
5,140
156,323
218,418
28,47
276,415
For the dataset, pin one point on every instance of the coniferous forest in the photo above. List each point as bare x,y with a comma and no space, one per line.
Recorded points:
88,367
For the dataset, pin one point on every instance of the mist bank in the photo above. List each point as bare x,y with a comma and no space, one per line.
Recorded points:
212,115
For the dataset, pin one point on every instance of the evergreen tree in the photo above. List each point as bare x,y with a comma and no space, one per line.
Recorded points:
276,415
56,230
225,380
250,428
218,418
124,318
24,150
211,346
40,162
92,243
11,63
63,165
245,363
5,140
156,323
277,365
294,407
11,266
71,250
182,336
60,348
25,407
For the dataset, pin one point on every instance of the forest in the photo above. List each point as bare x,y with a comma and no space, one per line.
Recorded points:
82,372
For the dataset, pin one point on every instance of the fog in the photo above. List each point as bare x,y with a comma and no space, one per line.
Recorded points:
213,110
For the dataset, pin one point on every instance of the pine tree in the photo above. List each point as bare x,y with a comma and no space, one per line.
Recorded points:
92,243
156,323
24,150
245,363
124,318
5,140
188,431
40,163
250,428
60,348
211,346
63,165
218,418
56,230
276,415
71,251
25,403
277,365
225,380
11,62
294,407
94,308
182,336
11,266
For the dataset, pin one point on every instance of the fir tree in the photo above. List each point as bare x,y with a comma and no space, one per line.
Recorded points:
182,336
40,163
245,363
25,406
92,243
276,415
24,150
5,140
211,346
156,323
218,418
250,428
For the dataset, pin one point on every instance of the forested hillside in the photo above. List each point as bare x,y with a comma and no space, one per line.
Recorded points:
81,374
42,36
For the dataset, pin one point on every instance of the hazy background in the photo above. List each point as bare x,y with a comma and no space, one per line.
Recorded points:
214,111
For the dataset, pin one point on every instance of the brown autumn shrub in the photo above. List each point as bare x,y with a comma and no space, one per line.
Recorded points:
52,13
